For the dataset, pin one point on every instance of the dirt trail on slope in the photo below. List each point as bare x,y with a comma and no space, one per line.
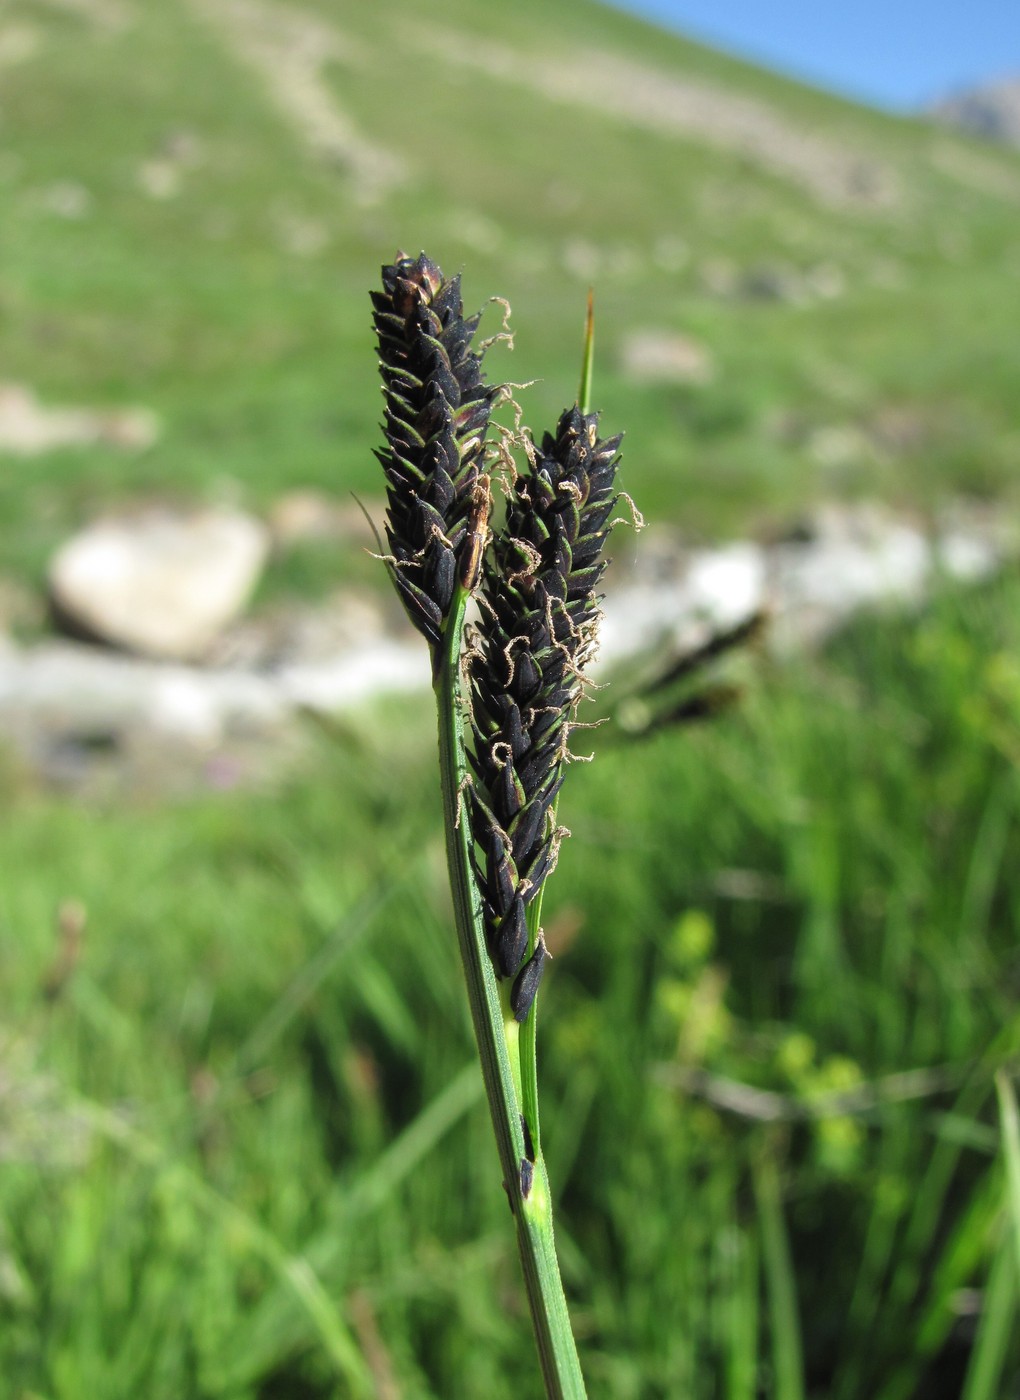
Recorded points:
28,427
690,108
290,51
105,14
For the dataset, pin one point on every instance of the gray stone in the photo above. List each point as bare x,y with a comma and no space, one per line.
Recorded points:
161,583
305,515
665,357
66,687
28,427
991,110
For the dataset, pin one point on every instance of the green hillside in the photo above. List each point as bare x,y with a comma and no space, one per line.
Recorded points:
244,1153
197,194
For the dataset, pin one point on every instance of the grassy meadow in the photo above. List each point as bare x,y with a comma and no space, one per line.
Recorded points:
244,1152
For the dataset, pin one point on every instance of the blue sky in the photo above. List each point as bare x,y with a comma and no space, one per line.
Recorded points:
892,53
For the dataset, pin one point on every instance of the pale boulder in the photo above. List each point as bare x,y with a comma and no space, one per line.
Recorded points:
161,583
665,357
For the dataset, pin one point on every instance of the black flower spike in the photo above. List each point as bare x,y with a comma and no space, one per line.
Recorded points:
537,630
437,408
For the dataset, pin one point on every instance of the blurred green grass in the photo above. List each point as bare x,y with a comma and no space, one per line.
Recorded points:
243,1151
263,1059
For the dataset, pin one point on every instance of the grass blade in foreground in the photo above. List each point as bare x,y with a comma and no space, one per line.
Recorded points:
1010,1119
787,1349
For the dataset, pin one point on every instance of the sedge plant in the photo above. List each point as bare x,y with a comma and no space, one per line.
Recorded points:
506,694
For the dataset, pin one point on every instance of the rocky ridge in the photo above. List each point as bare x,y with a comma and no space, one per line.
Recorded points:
991,110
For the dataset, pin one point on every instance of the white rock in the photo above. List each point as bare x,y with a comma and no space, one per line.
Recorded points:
17,43
160,583
67,199
968,556
727,585
857,558
840,445
303,514
665,357
87,718
716,589
385,667
28,427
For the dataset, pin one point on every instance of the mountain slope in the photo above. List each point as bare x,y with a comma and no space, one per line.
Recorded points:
199,194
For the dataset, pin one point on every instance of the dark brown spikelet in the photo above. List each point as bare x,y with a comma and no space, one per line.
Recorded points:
437,408
540,610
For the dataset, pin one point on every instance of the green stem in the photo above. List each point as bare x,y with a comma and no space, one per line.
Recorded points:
587,356
529,1032
532,1211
